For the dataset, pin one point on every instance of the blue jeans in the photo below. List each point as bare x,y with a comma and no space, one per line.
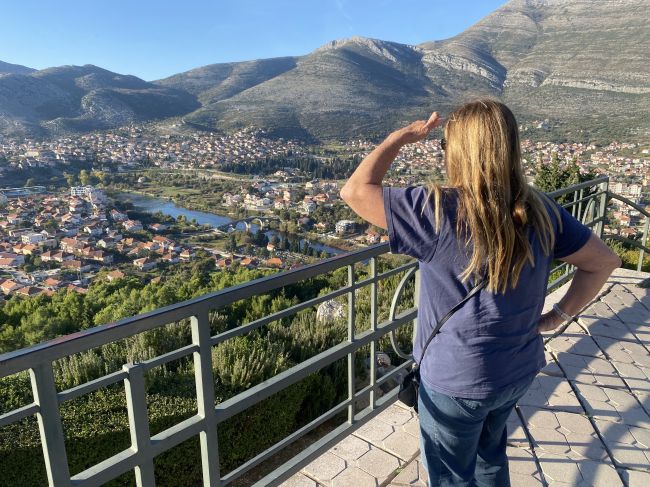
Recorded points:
463,441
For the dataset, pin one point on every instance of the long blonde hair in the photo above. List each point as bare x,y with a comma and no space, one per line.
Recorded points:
496,205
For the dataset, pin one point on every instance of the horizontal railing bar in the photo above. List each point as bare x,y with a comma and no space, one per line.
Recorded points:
631,203
361,393
91,386
16,361
169,357
278,315
558,282
569,204
176,434
396,270
18,414
242,469
106,470
634,243
126,460
594,221
390,375
576,187
255,394
311,452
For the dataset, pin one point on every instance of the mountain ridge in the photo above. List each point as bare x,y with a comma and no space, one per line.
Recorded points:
545,58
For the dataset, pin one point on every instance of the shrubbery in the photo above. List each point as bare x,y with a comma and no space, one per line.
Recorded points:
96,425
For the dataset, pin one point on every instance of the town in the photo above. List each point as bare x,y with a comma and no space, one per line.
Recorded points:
68,235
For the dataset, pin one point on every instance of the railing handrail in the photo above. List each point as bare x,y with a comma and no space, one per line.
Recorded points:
631,203
22,359
576,187
39,360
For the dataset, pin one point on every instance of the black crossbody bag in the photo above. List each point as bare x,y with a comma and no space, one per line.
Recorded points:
409,389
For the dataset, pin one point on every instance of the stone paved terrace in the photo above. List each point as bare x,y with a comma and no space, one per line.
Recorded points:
584,422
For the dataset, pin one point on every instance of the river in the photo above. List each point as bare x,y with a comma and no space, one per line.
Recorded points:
150,204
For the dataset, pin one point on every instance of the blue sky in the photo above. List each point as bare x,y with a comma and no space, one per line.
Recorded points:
154,39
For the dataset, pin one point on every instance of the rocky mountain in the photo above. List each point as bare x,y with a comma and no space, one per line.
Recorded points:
82,98
581,62
8,68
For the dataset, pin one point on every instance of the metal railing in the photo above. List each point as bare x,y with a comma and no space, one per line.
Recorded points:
38,360
587,201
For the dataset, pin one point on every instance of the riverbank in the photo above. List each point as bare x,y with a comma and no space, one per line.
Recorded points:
151,204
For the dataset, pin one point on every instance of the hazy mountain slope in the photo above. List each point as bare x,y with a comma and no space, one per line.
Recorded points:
8,68
81,98
220,81
582,62
344,88
577,60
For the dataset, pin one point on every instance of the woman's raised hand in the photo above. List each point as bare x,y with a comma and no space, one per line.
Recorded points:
418,130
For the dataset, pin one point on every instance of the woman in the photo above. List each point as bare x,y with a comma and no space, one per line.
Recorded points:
486,225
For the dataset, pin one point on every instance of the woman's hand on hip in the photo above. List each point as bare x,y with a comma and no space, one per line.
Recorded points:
549,322
418,130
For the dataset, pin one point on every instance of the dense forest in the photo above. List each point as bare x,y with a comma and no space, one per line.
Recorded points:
96,425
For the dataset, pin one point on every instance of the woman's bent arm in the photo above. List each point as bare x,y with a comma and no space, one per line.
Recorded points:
363,192
595,262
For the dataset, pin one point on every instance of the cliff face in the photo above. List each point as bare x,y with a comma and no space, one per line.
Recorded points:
583,62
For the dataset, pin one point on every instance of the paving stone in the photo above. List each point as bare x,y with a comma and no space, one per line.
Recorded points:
607,327
412,474
402,445
299,480
559,470
354,476
619,297
551,393
523,469
634,478
351,448
374,431
325,468
629,445
516,434
626,352
576,342
379,464
627,277
636,377
599,309
412,427
640,293
589,370
395,416
566,434
613,405
551,367
637,313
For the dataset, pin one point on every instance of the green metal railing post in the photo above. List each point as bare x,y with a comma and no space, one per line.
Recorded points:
136,403
644,243
602,211
373,327
205,399
49,424
352,315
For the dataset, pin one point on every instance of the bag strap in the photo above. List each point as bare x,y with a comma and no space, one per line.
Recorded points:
450,313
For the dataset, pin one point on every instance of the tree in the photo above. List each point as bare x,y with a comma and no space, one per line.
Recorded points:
70,179
84,177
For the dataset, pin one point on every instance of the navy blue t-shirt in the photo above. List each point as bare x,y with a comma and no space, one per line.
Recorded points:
492,341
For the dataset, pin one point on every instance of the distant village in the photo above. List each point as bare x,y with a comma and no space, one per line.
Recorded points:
50,240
